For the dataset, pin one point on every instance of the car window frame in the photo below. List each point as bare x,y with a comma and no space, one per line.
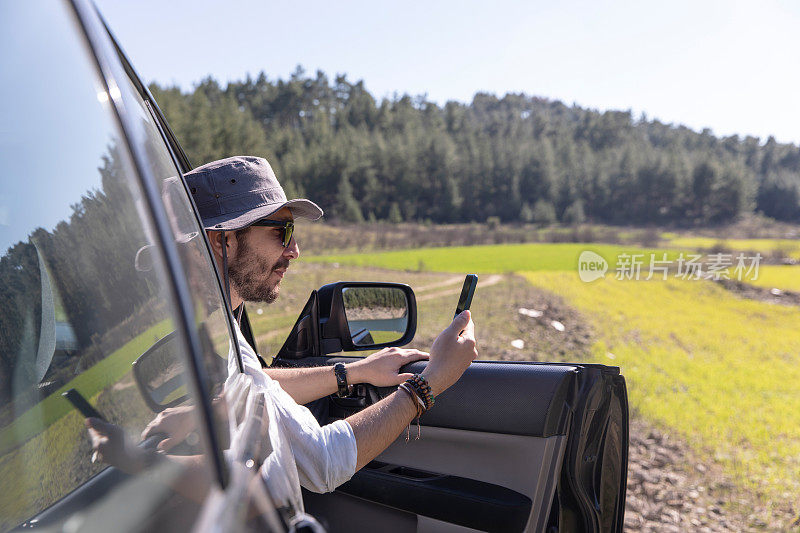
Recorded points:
110,69
181,161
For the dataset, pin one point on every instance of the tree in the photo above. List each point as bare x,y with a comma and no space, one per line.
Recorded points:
394,214
574,213
704,176
543,212
347,207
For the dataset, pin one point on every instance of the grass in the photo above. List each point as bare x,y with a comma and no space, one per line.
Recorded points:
492,258
784,277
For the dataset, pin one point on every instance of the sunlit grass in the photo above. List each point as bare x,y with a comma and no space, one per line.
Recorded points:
492,258
721,371
784,277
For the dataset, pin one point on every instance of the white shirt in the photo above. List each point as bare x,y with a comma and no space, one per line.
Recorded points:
325,455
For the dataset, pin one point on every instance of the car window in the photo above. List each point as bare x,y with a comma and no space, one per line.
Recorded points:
279,474
88,306
209,307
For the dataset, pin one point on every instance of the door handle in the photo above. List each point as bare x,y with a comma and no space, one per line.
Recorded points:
350,402
361,396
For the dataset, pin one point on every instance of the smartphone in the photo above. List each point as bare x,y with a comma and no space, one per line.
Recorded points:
465,300
79,402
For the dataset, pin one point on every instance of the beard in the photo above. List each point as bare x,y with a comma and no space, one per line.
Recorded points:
249,275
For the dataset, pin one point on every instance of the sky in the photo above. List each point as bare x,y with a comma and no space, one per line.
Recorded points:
731,66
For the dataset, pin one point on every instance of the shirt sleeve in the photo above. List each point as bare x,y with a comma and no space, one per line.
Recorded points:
325,455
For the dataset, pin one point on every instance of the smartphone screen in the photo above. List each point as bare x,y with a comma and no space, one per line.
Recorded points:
81,404
465,300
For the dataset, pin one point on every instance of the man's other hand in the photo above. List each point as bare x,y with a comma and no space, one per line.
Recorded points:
382,369
111,446
176,423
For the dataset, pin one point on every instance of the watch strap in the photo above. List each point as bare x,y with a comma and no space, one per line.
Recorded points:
340,371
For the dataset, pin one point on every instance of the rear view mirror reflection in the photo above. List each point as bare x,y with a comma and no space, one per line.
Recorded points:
375,315
159,374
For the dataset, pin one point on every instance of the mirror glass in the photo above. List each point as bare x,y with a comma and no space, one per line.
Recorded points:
159,374
375,315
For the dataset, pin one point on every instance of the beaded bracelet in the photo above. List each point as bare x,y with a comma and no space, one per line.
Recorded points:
419,391
423,390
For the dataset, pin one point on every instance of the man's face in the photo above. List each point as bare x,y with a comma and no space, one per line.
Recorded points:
261,261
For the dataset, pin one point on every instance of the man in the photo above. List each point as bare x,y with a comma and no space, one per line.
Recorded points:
234,196
250,227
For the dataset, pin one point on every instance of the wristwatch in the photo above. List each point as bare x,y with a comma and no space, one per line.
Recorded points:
341,380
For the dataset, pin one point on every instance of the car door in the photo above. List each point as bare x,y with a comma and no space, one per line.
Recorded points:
512,446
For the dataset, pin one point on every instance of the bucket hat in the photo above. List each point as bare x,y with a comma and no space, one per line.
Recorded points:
233,193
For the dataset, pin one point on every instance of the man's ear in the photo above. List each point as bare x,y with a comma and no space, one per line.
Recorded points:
218,238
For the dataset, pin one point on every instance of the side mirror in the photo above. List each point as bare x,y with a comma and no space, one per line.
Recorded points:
351,316
375,315
159,374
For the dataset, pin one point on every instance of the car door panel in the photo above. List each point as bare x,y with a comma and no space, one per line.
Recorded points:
502,424
512,399
506,425
338,511
449,498
509,398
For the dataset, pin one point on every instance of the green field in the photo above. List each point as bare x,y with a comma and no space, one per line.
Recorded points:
492,258
701,362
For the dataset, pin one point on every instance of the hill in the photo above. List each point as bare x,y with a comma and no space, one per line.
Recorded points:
516,158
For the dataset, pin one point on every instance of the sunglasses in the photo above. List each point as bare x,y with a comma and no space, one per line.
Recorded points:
286,227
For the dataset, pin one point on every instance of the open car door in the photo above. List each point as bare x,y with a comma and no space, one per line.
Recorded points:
512,446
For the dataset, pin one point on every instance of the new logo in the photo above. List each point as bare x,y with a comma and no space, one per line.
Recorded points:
591,266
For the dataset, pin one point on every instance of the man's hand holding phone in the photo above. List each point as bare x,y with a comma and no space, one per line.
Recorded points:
455,347
451,353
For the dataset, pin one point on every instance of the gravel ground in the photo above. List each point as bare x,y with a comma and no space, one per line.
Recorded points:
670,489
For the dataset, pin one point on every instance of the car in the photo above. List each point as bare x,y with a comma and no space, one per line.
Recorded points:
114,310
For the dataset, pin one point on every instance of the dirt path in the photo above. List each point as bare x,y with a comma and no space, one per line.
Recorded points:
762,294
488,282
449,281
